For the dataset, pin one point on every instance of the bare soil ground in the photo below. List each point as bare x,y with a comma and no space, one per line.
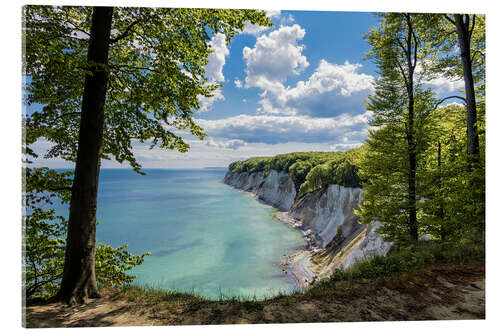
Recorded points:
446,292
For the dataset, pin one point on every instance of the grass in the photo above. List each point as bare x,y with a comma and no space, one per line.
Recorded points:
399,263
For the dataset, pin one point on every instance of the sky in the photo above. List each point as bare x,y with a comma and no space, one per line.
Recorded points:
298,86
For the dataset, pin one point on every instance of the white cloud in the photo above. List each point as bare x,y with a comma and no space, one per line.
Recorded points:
440,83
206,103
217,58
255,29
238,83
287,19
216,62
279,129
235,144
202,155
450,103
327,77
331,90
275,56
214,151
273,13
344,146
225,144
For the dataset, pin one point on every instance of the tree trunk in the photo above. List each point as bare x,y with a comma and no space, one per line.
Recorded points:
79,280
463,33
412,195
412,154
440,213
412,159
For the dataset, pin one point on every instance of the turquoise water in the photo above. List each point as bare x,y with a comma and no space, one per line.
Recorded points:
204,236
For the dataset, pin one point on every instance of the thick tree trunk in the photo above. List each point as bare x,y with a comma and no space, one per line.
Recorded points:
463,33
79,280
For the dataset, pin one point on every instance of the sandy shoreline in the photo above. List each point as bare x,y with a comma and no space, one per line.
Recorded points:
298,265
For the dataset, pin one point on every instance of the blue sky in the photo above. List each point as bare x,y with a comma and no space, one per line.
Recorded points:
298,86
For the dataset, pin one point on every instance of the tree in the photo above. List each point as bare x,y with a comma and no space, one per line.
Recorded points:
465,30
135,74
456,51
43,231
449,192
454,206
444,35
444,168
390,165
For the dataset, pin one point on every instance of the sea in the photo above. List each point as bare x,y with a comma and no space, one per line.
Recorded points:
204,237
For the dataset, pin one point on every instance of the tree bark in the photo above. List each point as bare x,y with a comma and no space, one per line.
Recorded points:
412,156
464,35
440,213
79,280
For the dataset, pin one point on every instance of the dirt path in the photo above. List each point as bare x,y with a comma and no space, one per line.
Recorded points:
97,312
452,292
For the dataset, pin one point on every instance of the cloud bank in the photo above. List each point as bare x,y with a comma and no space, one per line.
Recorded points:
331,90
273,129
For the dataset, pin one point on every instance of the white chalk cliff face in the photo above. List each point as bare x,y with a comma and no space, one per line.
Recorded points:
326,217
277,189
326,210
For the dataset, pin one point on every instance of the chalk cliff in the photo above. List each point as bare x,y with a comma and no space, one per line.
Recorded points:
276,189
326,218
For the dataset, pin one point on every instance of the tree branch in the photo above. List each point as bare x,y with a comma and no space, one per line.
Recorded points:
402,72
36,285
472,28
449,19
66,24
67,188
401,46
132,67
411,34
449,97
75,27
125,33
67,114
414,50
475,53
78,29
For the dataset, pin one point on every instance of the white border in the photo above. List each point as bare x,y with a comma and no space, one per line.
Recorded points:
11,138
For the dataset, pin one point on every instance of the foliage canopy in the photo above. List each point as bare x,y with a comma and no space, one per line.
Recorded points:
309,171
